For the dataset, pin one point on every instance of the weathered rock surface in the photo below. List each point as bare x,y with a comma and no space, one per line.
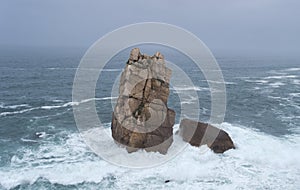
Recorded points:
141,118
193,132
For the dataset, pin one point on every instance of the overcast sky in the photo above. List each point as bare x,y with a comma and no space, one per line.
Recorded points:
237,25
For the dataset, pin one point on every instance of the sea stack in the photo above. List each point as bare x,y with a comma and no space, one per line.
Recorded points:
198,133
141,118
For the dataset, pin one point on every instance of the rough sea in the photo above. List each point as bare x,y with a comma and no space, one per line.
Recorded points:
41,148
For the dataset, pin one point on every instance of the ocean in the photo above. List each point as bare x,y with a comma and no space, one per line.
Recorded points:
41,147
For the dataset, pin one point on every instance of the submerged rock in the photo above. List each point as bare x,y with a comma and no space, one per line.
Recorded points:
141,118
193,132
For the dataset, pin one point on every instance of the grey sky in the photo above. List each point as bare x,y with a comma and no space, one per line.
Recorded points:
238,25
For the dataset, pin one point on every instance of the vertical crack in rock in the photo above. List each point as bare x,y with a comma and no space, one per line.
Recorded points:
141,118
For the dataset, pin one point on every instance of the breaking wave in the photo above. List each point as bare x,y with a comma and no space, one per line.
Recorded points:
261,161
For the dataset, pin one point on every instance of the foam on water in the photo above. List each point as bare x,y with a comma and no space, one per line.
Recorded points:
258,81
296,81
189,88
61,68
292,69
281,77
220,82
68,104
76,103
57,101
276,84
190,100
17,112
295,94
13,106
260,161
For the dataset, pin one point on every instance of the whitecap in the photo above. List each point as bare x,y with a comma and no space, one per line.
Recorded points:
76,103
281,77
220,82
13,106
57,101
296,81
4,140
261,161
61,68
28,140
279,98
277,72
230,83
68,104
189,88
258,81
51,107
188,100
294,94
17,112
276,84
292,69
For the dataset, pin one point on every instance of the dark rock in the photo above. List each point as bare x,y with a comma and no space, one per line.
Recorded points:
216,139
141,118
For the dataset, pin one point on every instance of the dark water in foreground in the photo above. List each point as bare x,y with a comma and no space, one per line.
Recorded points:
41,146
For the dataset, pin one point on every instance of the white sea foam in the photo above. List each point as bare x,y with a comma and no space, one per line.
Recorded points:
13,106
296,81
230,83
279,98
258,81
189,100
28,140
220,82
282,72
76,103
68,104
57,101
276,84
281,77
17,112
294,94
61,68
260,161
189,88
54,107
292,69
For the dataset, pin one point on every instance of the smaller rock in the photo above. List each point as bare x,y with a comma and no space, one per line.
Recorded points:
216,139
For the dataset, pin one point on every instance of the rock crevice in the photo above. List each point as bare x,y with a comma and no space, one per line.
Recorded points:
141,118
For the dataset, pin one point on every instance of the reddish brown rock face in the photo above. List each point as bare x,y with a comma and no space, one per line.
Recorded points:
193,132
141,118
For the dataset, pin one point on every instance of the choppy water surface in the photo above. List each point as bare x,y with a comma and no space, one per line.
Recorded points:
41,147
